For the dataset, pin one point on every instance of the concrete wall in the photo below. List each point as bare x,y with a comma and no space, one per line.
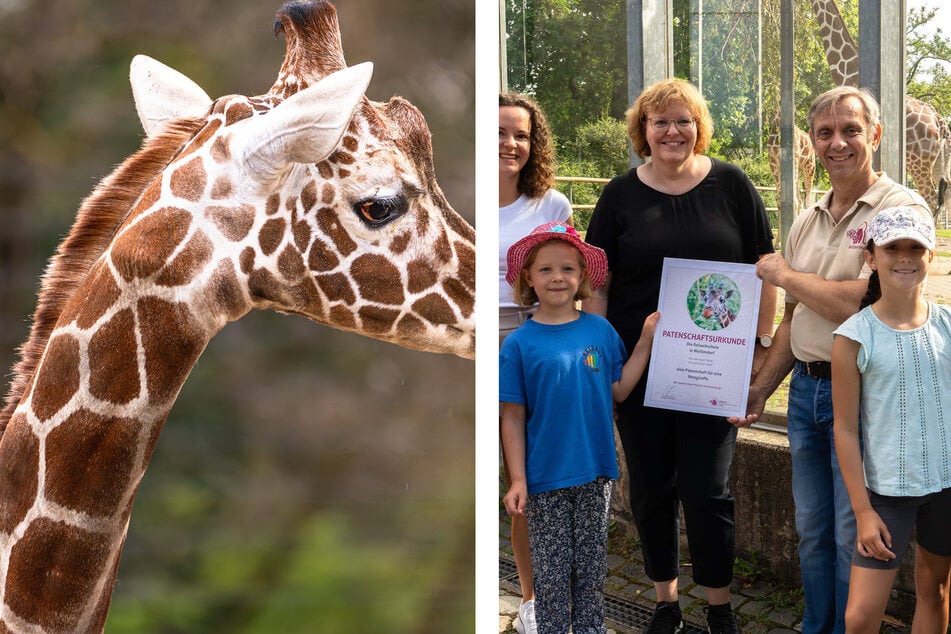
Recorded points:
765,517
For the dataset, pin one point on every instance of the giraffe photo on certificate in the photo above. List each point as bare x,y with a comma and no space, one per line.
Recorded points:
703,346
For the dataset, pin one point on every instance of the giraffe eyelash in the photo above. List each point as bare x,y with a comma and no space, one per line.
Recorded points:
376,212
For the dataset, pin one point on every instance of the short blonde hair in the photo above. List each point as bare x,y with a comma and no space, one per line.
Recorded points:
525,295
659,97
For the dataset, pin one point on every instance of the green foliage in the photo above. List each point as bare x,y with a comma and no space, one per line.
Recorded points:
603,145
570,55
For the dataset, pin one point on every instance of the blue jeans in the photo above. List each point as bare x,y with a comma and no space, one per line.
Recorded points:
824,516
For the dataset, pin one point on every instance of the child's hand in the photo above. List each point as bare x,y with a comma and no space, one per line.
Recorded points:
872,536
515,499
650,325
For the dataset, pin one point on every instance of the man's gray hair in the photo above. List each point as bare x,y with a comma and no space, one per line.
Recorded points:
831,98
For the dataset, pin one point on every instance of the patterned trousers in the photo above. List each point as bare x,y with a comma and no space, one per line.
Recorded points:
568,534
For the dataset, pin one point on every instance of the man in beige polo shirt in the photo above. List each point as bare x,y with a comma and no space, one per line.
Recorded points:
823,272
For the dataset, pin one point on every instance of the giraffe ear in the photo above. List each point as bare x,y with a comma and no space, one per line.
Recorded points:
307,126
162,94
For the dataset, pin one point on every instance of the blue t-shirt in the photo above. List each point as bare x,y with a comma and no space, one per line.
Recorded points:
905,402
562,375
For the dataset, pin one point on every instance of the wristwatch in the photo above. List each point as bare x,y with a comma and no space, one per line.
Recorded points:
765,340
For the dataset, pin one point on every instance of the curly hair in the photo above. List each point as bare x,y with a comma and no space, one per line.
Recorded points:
538,175
659,97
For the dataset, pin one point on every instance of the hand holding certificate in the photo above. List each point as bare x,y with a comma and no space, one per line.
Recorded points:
703,346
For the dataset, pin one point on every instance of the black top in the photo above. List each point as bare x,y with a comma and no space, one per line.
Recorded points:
722,219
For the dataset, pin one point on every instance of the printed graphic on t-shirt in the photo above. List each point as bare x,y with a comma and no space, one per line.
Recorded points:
592,358
713,301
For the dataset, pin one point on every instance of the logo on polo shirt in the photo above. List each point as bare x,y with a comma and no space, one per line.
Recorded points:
858,236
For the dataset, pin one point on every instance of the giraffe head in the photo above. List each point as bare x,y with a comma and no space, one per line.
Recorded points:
310,199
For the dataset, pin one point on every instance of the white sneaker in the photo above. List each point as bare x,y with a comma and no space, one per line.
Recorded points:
526,618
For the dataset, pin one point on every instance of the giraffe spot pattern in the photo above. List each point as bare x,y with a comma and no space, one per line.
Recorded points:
237,111
377,279
337,288
170,350
291,264
234,223
58,378
377,320
341,157
436,309
325,170
327,194
222,188
306,297
463,297
55,601
189,180
301,236
189,263
161,232
150,197
264,286
273,204
342,318
271,235
225,291
308,196
329,225
201,139
220,150
98,296
74,451
113,364
467,258
399,243
246,260
410,326
20,475
420,275
322,258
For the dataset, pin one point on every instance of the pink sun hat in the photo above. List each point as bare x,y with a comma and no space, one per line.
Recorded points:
596,261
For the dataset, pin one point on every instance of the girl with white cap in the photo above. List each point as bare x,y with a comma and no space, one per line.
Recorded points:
891,370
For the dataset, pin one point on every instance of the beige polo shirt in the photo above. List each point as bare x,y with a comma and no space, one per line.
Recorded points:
834,250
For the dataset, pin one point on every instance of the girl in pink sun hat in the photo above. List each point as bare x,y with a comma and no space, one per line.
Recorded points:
559,375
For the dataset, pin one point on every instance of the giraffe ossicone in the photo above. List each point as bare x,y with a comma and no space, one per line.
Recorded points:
309,199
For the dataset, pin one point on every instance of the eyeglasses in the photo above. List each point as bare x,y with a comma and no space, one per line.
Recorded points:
664,124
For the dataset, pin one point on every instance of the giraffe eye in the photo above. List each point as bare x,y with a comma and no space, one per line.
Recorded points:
379,211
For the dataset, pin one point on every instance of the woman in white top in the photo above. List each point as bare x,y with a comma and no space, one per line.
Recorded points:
527,199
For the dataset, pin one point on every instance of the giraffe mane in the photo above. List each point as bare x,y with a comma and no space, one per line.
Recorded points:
97,220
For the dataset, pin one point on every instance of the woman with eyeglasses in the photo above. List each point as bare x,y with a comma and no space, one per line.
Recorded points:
683,204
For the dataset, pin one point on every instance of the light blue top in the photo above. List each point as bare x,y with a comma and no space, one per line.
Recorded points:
905,402
562,374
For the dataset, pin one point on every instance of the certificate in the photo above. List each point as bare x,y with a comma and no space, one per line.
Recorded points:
703,346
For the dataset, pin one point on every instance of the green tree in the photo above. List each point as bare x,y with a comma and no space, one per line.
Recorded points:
571,56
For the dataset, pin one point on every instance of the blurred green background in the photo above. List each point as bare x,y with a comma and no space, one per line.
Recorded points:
307,480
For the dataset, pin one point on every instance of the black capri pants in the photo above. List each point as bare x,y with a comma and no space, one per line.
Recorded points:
673,459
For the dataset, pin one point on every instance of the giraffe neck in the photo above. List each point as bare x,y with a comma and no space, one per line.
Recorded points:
88,425
841,51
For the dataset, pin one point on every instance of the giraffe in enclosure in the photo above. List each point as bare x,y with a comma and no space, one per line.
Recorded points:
804,156
924,158
309,199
